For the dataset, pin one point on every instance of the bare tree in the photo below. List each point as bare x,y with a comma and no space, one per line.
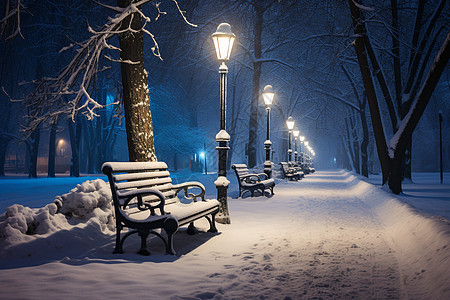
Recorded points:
391,153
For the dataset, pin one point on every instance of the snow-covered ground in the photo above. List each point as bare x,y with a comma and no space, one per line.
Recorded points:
330,235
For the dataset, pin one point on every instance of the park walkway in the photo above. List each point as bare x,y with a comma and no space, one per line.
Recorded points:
314,238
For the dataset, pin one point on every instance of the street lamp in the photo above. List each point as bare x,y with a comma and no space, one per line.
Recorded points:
296,133
302,139
290,125
268,94
223,40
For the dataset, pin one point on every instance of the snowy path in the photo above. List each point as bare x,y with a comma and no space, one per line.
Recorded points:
313,245
327,236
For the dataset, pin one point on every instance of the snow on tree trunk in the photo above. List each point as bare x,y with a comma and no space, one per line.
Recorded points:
138,118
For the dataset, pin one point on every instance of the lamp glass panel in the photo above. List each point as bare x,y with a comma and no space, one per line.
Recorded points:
290,124
268,98
223,45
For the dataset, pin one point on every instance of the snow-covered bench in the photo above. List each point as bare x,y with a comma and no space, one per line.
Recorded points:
251,182
291,172
145,199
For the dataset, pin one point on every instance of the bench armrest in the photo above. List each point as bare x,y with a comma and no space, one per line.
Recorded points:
139,193
253,178
189,195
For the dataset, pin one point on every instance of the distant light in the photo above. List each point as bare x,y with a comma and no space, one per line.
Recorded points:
202,154
296,133
61,142
302,138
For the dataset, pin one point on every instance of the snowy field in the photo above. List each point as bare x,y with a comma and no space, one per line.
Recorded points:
330,235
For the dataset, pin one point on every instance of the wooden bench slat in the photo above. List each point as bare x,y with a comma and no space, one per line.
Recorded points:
142,175
142,183
135,166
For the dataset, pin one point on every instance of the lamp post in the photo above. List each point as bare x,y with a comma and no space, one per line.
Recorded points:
223,40
302,139
290,125
268,94
296,133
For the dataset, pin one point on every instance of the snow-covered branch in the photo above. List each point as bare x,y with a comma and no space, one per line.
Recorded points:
69,92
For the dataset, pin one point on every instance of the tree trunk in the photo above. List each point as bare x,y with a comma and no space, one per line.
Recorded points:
370,90
395,175
138,118
407,162
52,151
365,141
74,162
396,53
350,149
91,146
253,122
33,147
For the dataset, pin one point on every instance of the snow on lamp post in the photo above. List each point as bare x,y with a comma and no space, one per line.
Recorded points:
296,133
268,94
223,40
290,125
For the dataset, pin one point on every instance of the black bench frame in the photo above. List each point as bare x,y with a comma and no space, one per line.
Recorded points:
252,182
135,198
291,172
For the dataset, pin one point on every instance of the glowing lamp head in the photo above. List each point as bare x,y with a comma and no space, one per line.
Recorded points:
223,40
296,133
306,143
268,94
290,123
202,154
302,138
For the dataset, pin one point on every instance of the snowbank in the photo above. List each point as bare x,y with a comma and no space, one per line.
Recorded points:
88,202
421,242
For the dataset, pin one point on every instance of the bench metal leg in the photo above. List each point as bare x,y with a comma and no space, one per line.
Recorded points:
212,223
191,229
143,251
170,227
118,248
119,245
